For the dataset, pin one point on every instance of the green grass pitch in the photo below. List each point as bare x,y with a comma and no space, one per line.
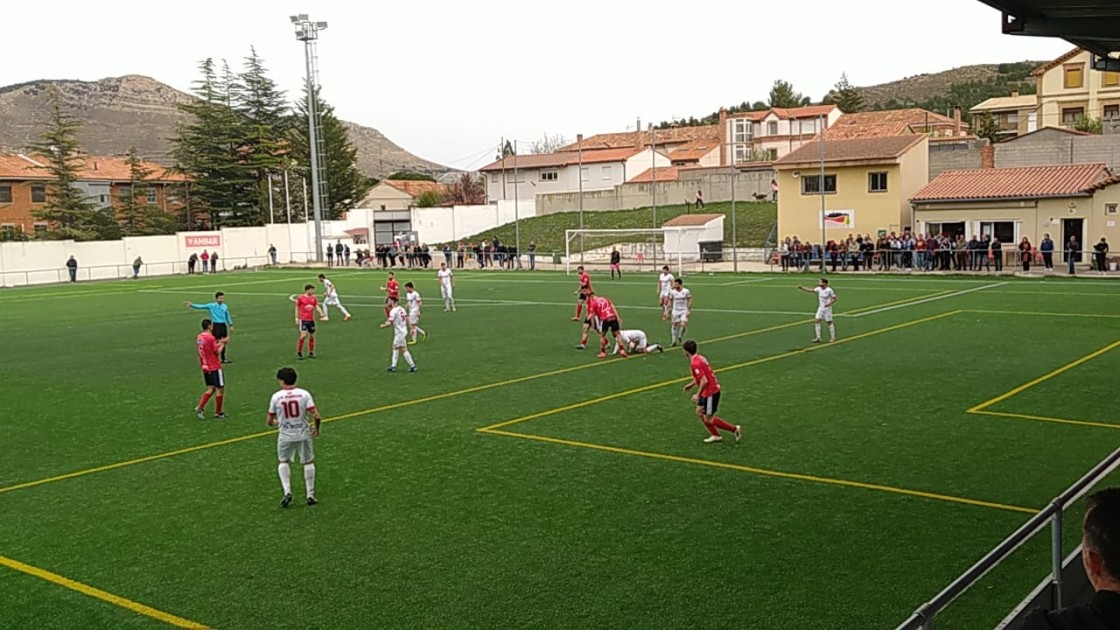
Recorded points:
515,482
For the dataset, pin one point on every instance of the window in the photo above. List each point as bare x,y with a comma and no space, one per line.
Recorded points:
877,182
1110,208
770,155
607,172
1074,76
1003,230
38,194
808,126
741,131
172,195
585,174
124,193
772,128
811,184
152,195
1071,115
7,231
5,193
1111,112
40,229
103,199
1012,118
549,176
1110,79
742,154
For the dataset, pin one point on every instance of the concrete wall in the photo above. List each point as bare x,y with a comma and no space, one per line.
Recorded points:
1051,146
716,184
955,156
448,225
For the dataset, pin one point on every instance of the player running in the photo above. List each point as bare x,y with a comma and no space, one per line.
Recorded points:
209,349
392,290
707,396
306,307
664,285
681,299
219,314
636,341
398,319
602,312
446,287
826,297
331,299
415,302
289,409
583,293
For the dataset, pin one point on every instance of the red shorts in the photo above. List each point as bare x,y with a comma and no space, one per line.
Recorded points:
614,266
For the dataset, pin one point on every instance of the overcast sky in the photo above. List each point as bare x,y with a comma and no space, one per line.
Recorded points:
446,79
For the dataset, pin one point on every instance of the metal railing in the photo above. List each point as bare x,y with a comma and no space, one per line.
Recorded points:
954,260
123,271
922,619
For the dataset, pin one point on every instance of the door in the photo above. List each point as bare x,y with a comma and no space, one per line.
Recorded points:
1073,227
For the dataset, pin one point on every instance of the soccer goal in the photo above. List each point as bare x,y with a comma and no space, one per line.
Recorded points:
645,249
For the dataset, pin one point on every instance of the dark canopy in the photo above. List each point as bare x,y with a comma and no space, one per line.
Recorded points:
1090,24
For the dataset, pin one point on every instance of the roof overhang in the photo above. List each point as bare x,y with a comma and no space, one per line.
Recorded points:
1090,24
789,166
922,202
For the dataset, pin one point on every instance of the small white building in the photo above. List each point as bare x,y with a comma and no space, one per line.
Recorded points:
684,235
526,176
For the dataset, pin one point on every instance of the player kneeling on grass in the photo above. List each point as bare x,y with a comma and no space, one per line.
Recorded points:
707,396
636,341
209,351
826,297
399,321
289,410
415,302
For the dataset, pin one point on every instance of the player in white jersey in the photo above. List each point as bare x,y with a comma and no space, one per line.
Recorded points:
446,287
635,341
289,409
331,299
398,319
412,297
826,298
681,299
664,285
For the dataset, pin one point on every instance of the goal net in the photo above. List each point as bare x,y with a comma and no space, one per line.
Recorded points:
639,250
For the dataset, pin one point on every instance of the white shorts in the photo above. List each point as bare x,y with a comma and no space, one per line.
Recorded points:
680,318
446,292
400,340
413,317
640,343
287,449
664,295
824,313
332,300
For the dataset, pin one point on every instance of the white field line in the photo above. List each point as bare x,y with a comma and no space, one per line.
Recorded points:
931,299
752,281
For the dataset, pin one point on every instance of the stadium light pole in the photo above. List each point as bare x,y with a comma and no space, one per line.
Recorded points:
653,183
308,32
820,132
579,149
734,232
516,208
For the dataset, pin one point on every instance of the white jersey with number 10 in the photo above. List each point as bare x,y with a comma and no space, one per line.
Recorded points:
291,407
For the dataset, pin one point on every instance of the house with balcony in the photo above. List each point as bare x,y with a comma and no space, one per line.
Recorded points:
666,140
1014,115
1070,90
526,176
770,135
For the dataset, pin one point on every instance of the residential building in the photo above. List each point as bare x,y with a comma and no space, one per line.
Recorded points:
898,122
400,194
25,183
1069,90
702,153
866,188
526,176
1015,115
766,136
667,139
1079,200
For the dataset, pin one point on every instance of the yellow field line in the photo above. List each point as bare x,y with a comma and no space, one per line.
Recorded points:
1041,314
1045,377
767,472
899,302
97,593
1023,416
737,366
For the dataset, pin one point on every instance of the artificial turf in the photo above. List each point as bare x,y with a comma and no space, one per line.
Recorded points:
593,501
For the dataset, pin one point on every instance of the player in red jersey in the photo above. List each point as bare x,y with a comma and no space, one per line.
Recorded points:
306,306
583,293
209,357
707,398
392,290
602,311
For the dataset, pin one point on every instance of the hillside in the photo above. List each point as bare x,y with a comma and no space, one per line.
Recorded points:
965,87
138,111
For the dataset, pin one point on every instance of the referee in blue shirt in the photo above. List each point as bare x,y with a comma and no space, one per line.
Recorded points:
219,315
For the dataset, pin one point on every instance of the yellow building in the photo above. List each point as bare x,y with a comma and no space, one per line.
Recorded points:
868,183
1079,200
1069,90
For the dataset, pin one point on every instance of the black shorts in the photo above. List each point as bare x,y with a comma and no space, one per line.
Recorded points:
709,405
220,331
214,379
309,326
582,295
611,325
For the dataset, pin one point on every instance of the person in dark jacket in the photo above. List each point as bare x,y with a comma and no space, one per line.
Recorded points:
1046,248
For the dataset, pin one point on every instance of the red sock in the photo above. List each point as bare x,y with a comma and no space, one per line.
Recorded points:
299,345
720,423
583,340
205,399
218,403
311,344
602,345
579,309
711,428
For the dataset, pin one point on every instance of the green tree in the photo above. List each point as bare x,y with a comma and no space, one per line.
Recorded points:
984,125
507,150
468,190
409,176
1089,125
70,213
846,97
783,95
428,199
266,119
138,216
346,185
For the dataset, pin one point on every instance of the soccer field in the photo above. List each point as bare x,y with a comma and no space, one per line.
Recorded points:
516,482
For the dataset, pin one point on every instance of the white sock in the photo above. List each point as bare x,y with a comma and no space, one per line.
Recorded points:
285,477
452,303
408,358
447,303
683,333
421,331
345,312
309,478
616,349
832,330
817,327
674,332
395,353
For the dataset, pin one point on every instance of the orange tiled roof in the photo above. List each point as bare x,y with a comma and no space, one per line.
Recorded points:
910,116
852,150
694,151
809,111
89,167
1046,67
664,174
754,116
562,158
1032,182
840,131
672,135
416,187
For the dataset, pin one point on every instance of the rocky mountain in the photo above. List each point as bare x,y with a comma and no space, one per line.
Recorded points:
138,111
964,86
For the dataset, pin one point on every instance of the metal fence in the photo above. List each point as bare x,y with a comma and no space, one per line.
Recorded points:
923,618
962,261
121,271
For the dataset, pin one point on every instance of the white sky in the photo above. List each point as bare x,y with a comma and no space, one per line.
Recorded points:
446,79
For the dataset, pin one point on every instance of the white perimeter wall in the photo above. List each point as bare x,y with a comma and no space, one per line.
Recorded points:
447,225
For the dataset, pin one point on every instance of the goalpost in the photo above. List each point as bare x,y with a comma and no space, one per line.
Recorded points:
653,247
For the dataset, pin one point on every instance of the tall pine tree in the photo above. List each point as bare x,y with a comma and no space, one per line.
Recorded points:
138,215
346,186
267,121
68,211
846,97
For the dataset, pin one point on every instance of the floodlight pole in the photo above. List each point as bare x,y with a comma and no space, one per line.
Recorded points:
308,32
579,148
734,232
516,200
653,181
820,131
